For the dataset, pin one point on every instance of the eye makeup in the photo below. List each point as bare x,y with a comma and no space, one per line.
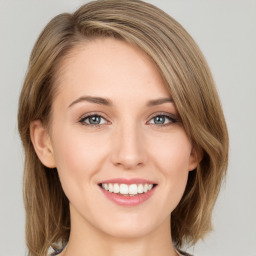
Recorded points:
158,119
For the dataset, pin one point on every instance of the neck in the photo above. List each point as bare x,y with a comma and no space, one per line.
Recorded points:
87,240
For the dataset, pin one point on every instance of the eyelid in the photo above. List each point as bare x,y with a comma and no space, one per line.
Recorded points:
85,116
173,118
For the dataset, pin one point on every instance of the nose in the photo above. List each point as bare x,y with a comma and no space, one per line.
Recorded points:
128,148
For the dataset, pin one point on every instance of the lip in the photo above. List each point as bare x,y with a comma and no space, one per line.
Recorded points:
128,181
128,200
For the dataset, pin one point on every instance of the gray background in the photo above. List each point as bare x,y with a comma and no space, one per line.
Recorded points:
226,32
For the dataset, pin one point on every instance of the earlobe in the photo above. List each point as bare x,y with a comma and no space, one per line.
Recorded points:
42,143
196,157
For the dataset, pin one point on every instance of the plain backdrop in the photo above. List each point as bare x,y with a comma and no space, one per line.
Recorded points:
226,32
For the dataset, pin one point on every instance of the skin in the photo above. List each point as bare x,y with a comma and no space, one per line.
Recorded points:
127,143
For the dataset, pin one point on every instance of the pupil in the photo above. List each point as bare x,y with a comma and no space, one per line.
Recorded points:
159,119
94,120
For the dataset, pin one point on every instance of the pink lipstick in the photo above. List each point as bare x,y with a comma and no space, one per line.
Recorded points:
128,192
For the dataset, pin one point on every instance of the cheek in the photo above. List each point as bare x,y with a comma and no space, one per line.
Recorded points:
172,157
75,150
77,158
173,152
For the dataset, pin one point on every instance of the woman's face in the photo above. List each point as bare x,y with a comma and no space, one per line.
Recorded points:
114,125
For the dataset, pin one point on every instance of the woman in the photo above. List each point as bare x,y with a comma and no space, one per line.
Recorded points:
124,136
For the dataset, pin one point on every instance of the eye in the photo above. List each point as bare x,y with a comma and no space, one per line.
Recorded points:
163,120
93,120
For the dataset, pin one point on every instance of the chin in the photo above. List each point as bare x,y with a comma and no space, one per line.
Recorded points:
133,228
128,232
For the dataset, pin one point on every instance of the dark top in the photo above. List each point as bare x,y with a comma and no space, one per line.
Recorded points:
59,251
184,253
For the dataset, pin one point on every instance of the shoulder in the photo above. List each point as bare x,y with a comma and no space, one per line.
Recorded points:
55,253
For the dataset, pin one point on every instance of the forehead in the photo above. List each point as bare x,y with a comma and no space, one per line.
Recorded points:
109,67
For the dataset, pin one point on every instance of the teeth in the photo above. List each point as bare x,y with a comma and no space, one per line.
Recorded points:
116,188
145,188
105,186
133,189
140,189
124,189
110,188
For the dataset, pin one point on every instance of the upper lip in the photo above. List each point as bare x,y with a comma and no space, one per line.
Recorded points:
128,181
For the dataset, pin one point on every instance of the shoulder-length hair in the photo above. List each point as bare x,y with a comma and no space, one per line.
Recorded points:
189,81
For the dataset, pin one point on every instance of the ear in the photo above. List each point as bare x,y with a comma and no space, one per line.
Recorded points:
196,157
42,143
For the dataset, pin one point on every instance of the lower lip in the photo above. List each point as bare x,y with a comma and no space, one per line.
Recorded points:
128,200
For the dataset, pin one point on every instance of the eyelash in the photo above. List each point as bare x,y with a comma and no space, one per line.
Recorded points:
172,120
83,119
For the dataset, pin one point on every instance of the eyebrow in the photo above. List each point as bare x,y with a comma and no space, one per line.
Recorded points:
159,101
96,100
108,102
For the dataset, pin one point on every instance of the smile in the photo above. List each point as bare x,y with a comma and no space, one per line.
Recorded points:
127,190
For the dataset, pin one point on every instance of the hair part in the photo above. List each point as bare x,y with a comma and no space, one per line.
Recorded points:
186,76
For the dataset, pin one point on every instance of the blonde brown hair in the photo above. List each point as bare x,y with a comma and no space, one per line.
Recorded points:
189,81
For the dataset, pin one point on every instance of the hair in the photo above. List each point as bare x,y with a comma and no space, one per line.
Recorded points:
186,76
